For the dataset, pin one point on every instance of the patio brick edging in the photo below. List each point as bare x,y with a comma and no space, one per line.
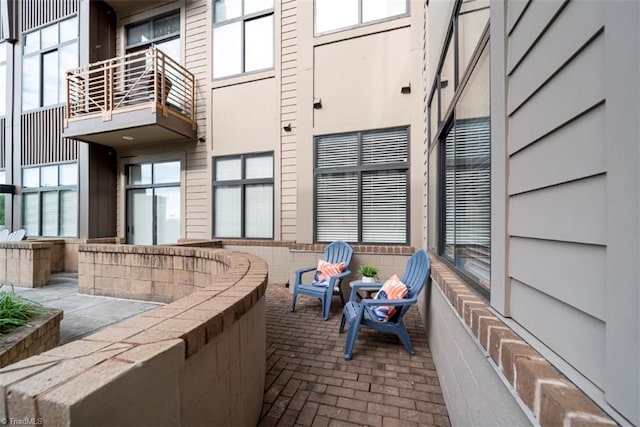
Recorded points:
552,399
164,354
42,333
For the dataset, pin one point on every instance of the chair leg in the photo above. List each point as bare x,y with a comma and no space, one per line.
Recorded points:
352,335
404,338
326,307
293,302
342,323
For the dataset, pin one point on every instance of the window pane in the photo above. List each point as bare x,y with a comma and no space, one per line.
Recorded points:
3,89
373,10
166,172
167,215
337,207
259,211
139,174
50,78
3,177
472,20
68,61
140,33
251,6
226,9
69,174
433,117
258,35
384,207
447,83
335,14
31,82
49,36
337,150
228,169
49,176
3,51
30,213
388,146
259,167
449,195
227,50
473,177
31,177
141,216
69,30
32,42
50,213
166,26
3,221
171,48
69,213
227,222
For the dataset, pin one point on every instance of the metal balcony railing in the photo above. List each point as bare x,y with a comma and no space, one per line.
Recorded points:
145,79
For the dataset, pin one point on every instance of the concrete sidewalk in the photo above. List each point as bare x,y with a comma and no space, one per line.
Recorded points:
83,314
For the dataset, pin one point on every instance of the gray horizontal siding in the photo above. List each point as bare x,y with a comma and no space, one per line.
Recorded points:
538,15
555,48
573,212
572,334
552,160
569,272
575,89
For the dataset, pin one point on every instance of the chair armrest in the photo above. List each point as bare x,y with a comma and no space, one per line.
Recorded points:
339,276
394,302
356,286
299,272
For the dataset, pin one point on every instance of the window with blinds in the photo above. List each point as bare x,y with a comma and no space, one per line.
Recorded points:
361,187
466,177
50,200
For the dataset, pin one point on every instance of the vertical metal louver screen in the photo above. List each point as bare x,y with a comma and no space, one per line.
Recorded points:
361,187
42,140
39,12
468,197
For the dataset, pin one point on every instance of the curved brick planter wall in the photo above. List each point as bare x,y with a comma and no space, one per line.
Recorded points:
199,360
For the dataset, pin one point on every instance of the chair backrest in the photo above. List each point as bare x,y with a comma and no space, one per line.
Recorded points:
17,235
415,276
4,235
338,251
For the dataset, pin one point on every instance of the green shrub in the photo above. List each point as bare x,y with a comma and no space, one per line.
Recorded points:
16,311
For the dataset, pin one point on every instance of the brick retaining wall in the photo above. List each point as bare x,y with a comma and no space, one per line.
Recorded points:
41,334
24,263
197,361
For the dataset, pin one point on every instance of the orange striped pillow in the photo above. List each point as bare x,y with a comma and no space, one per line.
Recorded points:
392,289
326,269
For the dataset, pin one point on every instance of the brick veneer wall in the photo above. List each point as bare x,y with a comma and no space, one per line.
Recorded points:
197,361
41,334
150,273
552,399
24,263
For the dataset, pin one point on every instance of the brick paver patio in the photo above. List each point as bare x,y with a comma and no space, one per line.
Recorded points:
309,383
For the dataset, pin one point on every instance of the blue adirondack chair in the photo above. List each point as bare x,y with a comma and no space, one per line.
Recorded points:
335,252
361,313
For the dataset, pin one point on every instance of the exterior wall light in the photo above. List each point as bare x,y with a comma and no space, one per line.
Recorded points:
406,88
317,103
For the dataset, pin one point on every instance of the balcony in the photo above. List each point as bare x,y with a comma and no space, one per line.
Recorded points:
138,99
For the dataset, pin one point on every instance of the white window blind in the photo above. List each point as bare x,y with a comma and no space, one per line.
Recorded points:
337,207
50,213
69,213
468,197
361,186
30,213
384,206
